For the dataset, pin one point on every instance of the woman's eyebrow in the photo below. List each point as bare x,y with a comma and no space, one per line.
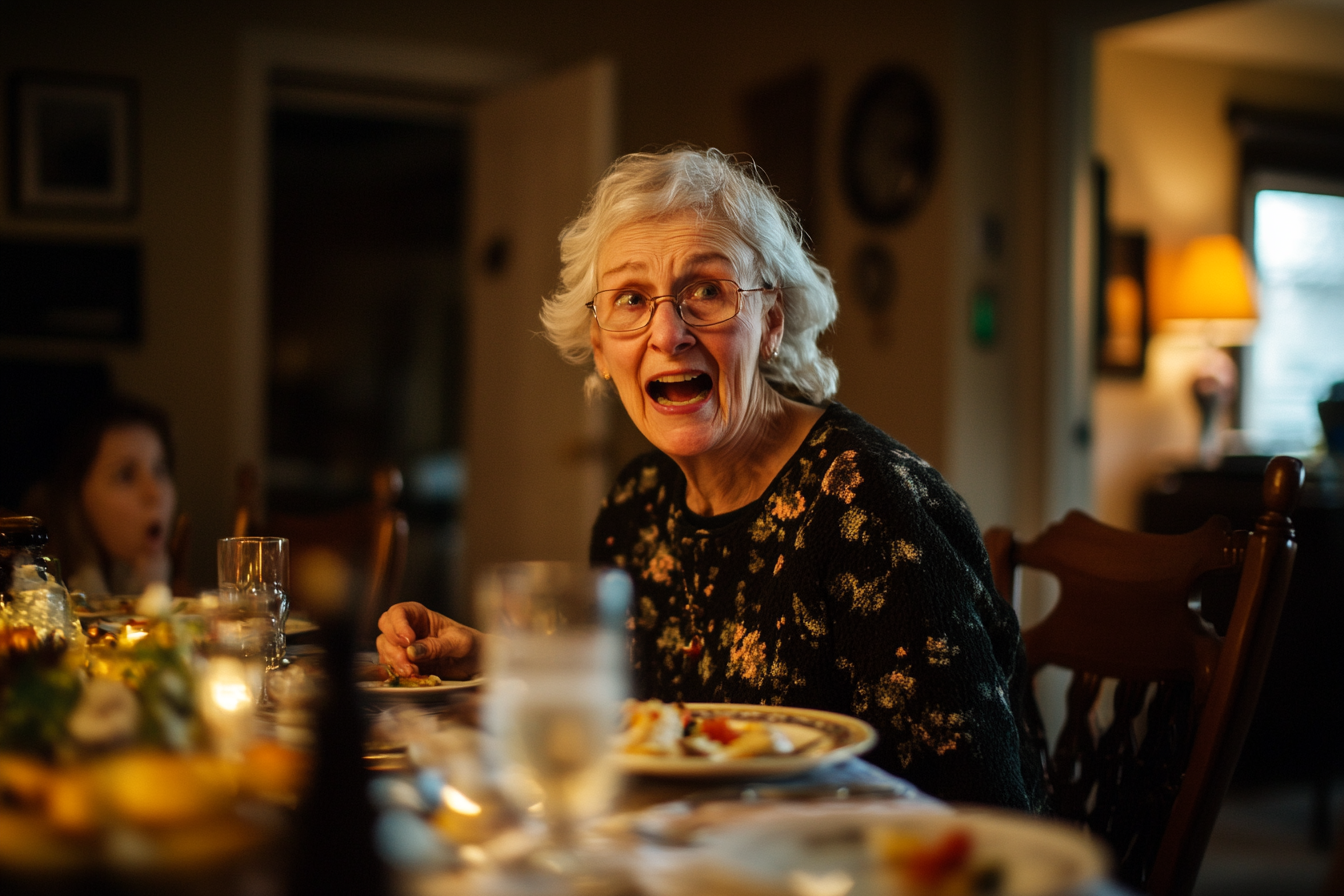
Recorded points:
692,262
705,257
628,266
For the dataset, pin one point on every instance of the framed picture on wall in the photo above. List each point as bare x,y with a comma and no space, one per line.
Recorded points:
1120,302
72,145
1123,315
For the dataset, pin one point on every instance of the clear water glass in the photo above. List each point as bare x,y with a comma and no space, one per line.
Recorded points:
557,674
254,597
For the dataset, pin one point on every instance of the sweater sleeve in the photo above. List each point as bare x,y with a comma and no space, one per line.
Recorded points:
914,628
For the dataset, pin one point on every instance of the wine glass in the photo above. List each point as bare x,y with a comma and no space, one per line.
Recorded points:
253,598
557,673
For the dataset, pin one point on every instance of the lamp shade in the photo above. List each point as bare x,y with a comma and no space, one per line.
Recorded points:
1212,282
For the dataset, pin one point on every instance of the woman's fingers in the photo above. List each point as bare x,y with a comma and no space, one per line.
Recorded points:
404,623
392,654
414,638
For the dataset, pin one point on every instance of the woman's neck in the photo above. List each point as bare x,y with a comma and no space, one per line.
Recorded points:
739,473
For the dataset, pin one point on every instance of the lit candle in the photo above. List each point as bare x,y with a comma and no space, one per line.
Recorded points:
227,703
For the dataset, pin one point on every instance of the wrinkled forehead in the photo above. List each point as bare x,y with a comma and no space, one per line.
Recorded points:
717,238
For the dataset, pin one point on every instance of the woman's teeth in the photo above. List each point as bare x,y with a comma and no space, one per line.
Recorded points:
679,389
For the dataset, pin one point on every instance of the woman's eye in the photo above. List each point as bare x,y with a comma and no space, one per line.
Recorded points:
708,289
125,474
629,300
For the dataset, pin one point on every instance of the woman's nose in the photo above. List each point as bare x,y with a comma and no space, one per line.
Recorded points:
667,331
151,489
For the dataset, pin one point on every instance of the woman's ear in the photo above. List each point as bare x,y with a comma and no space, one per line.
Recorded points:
774,325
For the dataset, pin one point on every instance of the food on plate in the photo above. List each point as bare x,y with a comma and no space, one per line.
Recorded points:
655,728
941,864
383,674
414,681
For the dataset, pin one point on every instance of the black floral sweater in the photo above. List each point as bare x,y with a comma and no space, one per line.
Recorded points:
856,583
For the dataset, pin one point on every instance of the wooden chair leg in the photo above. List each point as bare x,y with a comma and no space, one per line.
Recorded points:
1334,878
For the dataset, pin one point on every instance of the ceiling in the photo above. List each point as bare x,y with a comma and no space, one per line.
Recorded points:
1302,35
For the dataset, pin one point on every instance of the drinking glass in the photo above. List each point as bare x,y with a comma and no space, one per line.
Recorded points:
557,675
254,597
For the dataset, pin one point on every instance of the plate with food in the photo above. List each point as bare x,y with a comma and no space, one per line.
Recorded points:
735,740
388,687
297,625
103,606
911,848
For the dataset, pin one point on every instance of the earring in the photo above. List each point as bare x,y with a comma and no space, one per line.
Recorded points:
606,376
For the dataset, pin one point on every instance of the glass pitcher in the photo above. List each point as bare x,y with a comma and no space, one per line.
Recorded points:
35,611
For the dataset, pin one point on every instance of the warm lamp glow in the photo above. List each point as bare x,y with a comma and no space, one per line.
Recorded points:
1212,285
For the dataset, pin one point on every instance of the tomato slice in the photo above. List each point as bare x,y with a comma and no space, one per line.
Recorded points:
719,730
947,855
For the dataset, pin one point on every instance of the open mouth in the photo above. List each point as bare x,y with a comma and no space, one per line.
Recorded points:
154,531
678,389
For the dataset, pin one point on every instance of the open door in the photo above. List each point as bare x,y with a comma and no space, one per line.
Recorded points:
535,473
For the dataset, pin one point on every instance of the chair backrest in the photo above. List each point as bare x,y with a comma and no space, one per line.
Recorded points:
179,555
371,537
1180,697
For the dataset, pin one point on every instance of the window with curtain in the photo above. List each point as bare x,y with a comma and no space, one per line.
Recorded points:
1297,240
1293,224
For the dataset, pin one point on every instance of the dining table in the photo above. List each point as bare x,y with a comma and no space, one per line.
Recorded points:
663,828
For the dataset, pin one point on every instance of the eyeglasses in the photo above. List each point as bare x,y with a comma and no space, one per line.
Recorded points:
702,304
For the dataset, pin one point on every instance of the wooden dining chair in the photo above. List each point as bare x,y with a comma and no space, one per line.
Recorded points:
1180,697
371,538
179,555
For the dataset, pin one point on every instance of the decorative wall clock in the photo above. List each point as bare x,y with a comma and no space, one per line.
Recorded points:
891,146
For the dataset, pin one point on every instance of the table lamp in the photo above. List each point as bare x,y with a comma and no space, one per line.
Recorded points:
1211,291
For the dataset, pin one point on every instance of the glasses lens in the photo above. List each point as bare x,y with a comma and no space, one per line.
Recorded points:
621,309
708,302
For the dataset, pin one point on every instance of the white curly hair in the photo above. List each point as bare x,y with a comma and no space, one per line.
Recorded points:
758,231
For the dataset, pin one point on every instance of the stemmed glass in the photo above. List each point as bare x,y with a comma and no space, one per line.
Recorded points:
253,599
557,675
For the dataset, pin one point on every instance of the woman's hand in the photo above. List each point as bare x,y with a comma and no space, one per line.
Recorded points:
415,640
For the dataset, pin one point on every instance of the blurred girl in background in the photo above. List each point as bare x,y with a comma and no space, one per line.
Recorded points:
110,502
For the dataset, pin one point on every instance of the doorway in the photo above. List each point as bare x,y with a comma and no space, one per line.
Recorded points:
533,455
367,312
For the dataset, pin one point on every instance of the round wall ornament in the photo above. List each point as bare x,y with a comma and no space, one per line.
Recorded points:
891,145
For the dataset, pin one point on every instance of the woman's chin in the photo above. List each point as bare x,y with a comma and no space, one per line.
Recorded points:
684,441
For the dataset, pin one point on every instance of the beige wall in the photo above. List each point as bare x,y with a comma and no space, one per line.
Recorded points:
1161,127
186,63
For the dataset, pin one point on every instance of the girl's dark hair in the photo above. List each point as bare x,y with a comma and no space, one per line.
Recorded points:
84,436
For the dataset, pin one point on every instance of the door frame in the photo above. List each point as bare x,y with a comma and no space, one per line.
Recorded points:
262,53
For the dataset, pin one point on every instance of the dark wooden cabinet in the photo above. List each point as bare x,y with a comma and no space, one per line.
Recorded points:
1298,732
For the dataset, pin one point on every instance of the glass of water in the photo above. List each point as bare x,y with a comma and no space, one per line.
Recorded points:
254,596
557,674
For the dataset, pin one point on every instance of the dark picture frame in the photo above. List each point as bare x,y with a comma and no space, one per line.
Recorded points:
1123,315
1120,301
72,289
73,145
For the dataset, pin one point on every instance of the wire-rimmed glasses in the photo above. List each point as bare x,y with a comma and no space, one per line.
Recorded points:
700,304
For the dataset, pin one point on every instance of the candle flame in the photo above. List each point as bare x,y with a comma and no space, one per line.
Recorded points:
459,802
231,696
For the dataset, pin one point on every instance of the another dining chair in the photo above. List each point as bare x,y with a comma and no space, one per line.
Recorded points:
179,553
1158,704
371,539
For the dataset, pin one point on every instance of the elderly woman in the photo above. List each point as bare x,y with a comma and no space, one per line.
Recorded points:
784,551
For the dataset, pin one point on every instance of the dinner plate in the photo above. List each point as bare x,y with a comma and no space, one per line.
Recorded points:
820,738
298,626
827,848
379,692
